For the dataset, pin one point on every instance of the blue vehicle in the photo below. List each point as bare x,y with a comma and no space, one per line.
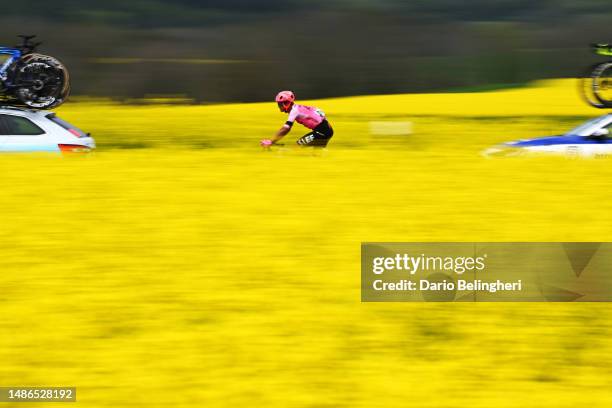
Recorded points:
591,139
30,79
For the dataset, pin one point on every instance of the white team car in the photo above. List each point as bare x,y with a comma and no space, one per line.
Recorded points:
23,130
591,139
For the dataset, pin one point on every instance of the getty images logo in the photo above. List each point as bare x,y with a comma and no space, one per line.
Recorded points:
414,264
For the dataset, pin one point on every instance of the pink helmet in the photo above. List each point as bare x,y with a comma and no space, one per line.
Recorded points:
285,100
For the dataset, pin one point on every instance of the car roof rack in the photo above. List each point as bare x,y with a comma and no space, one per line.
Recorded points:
11,107
20,109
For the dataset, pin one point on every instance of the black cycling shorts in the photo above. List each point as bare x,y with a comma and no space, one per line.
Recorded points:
319,137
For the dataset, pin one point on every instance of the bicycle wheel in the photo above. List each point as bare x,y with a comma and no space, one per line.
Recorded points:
602,83
42,82
586,88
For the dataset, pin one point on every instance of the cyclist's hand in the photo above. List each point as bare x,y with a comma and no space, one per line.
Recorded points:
266,143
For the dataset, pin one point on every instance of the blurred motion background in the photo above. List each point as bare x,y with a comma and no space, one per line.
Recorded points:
180,265
240,50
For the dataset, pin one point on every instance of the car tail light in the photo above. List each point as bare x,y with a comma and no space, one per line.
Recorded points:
70,148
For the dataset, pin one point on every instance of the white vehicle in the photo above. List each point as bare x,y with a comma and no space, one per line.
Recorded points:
591,139
23,130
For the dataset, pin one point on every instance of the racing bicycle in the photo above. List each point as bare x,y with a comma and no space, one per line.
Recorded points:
30,79
596,83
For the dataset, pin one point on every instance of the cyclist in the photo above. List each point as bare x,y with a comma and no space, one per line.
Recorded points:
311,117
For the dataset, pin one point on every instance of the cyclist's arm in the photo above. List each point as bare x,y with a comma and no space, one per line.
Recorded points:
282,132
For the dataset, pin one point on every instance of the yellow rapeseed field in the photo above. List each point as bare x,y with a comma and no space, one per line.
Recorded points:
182,266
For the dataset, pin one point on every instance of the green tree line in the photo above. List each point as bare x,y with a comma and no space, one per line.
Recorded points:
241,50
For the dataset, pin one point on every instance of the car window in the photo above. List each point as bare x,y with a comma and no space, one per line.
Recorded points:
608,127
20,126
580,130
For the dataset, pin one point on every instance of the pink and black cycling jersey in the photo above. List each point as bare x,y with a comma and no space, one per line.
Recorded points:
308,116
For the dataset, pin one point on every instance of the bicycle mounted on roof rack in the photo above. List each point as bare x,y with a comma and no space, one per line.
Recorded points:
33,80
596,83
